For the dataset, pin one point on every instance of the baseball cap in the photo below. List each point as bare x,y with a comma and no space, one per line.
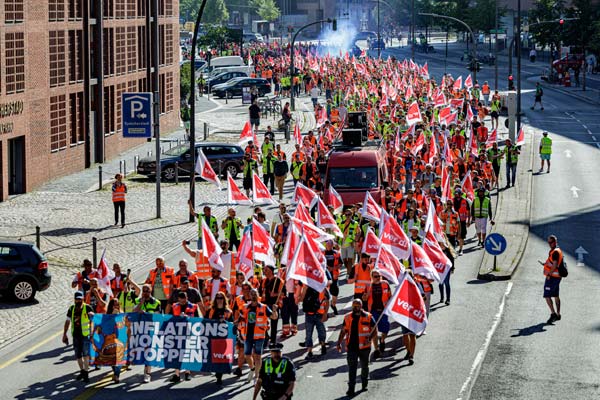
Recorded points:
78,295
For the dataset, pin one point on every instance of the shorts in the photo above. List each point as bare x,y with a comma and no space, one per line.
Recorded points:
334,289
248,183
406,331
495,114
81,345
463,229
481,225
551,287
347,252
383,325
538,99
254,121
545,156
256,345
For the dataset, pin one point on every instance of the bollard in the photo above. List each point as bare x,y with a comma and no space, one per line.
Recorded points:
205,130
220,167
149,153
37,236
94,251
136,161
170,145
177,172
124,168
226,97
121,167
99,177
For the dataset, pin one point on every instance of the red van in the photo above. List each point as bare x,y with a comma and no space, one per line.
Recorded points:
355,171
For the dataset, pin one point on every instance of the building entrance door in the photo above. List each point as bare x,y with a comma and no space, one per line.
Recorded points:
16,165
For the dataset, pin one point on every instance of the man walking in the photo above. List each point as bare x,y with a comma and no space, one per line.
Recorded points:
268,165
210,220
545,151
254,111
481,209
281,170
539,92
78,318
553,278
512,158
119,189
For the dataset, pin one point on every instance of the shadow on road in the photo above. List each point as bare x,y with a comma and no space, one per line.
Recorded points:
530,330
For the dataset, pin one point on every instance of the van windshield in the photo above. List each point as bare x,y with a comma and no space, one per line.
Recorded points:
361,177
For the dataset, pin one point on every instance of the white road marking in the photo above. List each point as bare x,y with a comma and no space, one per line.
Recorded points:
585,126
594,138
465,391
598,145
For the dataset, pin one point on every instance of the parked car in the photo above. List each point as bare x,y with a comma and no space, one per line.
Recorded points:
375,44
223,78
23,270
253,38
223,157
365,35
234,87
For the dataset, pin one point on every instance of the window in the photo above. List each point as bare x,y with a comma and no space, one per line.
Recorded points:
75,9
161,94
169,95
141,47
58,123
131,8
13,11
109,110
76,118
359,177
142,85
75,56
131,86
131,51
9,253
168,44
161,49
109,48
15,62
120,90
120,48
142,8
161,7
56,10
109,8
168,8
120,9
57,58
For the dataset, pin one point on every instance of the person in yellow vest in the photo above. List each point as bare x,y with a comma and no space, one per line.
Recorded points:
151,305
296,167
119,189
210,220
79,319
553,278
160,280
545,151
481,210
232,229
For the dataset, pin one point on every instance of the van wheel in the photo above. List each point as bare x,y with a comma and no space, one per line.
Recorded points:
169,173
232,169
22,290
229,95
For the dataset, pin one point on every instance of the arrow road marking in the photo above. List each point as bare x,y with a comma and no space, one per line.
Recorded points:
568,153
574,190
580,253
495,246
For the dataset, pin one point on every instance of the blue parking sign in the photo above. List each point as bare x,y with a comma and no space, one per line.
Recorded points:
137,115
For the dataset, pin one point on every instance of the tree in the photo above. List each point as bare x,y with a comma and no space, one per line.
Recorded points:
547,34
184,81
214,37
215,11
266,9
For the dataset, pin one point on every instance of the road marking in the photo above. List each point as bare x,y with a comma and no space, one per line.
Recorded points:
580,253
568,153
585,126
594,138
95,388
574,190
598,145
465,391
30,350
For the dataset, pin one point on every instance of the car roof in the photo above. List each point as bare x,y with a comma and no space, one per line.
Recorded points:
355,158
16,243
208,144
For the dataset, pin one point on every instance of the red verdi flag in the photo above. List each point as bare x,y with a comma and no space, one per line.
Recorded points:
370,209
211,247
205,171
440,261
247,134
326,220
234,194
520,137
389,265
306,267
414,114
371,244
407,306
421,263
305,194
245,263
469,82
335,200
457,84
260,193
395,239
262,243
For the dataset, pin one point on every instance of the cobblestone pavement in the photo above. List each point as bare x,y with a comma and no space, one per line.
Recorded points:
70,216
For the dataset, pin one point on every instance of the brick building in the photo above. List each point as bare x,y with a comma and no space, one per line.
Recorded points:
63,67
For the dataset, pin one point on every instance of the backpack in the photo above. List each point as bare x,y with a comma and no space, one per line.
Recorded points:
311,302
562,269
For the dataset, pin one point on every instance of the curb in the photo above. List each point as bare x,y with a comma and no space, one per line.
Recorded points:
569,93
514,257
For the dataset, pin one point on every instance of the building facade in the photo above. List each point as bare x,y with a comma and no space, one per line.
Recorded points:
63,67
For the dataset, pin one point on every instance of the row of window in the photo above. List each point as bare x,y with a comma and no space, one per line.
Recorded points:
14,62
13,11
59,10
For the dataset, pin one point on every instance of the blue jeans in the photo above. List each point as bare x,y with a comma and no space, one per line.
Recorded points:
511,168
117,370
445,284
312,321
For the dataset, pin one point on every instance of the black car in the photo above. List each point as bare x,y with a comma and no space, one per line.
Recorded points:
375,44
234,87
223,78
23,270
223,157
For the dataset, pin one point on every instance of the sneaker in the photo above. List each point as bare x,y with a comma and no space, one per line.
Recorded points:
302,344
86,377
364,386
250,375
309,355
115,379
441,299
80,375
460,253
219,381
411,361
553,317
350,392
447,302
376,354
558,317
381,347
175,379
323,349
334,308
187,376
147,378
237,372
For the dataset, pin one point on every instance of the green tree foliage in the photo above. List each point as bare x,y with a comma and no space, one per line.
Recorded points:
546,34
215,11
184,81
214,37
266,9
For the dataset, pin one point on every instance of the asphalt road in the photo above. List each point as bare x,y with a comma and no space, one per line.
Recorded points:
521,359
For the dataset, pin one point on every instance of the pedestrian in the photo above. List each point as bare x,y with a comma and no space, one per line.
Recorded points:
297,166
315,305
210,220
481,209
272,289
219,310
82,279
238,305
129,296
277,376
495,156
249,166
539,92
215,285
357,333
254,111
360,275
446,283
96,298
268,166
315,92
119,189
376,298
334,262
553,277
232,229
545,151
286,115
280,169
160,280
512,158
115,308
183,308
151,305
79,319
193,295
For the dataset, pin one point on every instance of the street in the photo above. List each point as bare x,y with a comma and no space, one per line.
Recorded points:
492,342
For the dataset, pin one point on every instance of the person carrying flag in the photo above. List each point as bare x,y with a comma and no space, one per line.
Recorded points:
211,221
376,298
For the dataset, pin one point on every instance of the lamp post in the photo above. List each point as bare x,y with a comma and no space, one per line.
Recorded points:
518,66
474,48
292,68
378,32
192,101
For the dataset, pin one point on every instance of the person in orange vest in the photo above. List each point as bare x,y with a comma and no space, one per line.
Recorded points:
193,295
183,308
219,310
117,284
461,206
376,299
451,222
213,286
553,278
160,280
272,289
485,91
427,287
119,189
96,297
238,305
315,305
185,272
254,325
334,262
358,331
360,275
82,279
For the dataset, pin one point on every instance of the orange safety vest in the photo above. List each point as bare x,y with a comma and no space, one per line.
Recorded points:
335,115
323,301
450,220
191,277
116,284
549,262
425,283
118,193
189,310
262,321
337,261
209,285
203,267
99,308
362,278
485,89
364,329
166,278
301,158
386,293
277,153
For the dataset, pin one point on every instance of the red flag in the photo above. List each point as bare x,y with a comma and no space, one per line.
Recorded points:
389,265
520,137
335,200
326,220
470,114
395,239
306,268
446,190
234,194
493,136
302,213
262,243
211,248
419,143
305,194
370,209
432,224
469,82
440,100
425,71
467,186
457,104
440,261
205,171
371,244
409,93
407,307
297,134
245,263
444,113
291,243
312,230
105,274
247,134
421,263
414,114
457,84
473,144
448,155
260,193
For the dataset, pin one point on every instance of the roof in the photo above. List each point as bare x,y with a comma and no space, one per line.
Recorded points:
355,158
16,242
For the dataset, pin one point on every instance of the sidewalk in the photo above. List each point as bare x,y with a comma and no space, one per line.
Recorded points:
70,216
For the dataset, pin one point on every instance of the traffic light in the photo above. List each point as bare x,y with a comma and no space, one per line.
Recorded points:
334,24
511,83
561,22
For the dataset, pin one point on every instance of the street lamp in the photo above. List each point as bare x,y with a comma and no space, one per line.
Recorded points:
192,101
292,68
474,49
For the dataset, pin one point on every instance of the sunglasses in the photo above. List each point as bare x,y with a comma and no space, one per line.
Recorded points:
219,298
145,291
376,276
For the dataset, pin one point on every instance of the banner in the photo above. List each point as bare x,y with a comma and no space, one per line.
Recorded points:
163,341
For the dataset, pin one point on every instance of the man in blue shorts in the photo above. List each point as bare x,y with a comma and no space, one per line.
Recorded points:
553,278
376,298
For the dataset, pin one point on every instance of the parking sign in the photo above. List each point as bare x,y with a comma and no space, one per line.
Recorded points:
137,115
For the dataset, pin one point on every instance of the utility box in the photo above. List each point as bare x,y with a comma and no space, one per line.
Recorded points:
511,105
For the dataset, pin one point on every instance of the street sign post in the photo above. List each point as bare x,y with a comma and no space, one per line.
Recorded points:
137,115
495,244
